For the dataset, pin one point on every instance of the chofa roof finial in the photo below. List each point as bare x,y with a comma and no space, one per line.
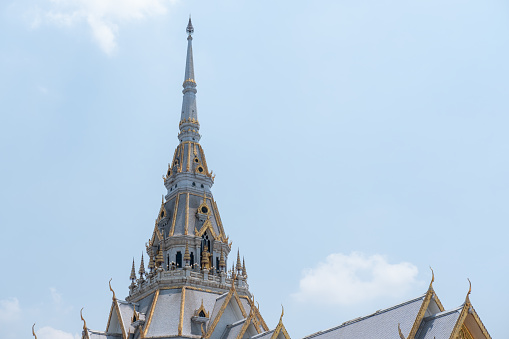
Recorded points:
432,277
111,289
467,299
399,329
33,332
84,322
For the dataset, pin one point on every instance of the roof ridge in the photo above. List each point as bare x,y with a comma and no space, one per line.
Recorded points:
237,323
262,334
443,313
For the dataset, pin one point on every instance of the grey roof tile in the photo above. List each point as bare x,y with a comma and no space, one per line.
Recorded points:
382,324
439,325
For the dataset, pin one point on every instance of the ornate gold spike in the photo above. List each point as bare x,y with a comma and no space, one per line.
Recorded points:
222,263
401,333
239,266
111,289
467,299
84,322
187,256
201,309
133,273
282,313
432,276
33,332
142,267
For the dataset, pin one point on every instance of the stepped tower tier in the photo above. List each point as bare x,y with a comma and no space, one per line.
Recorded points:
188,244
187,291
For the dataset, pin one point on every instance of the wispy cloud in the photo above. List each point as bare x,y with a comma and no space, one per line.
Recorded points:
103,17
51,333
348,279
9,310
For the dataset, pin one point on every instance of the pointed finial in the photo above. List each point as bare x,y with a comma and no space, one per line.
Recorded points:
111,289
33,332
239,266
84,322
190,28
222,263
142,267
282,313
244,267
467,299
432,277
400,333
133,273
187,256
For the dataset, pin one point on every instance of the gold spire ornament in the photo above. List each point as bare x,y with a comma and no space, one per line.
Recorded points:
205,258
187,256
222,263
159,257
239,266
133,273
142,268
244,267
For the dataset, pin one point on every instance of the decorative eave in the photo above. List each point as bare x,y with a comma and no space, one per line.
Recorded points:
465,311
430,294
231,293
280,328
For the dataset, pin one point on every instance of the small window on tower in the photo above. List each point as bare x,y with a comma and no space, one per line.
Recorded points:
202,314
204,210
200,169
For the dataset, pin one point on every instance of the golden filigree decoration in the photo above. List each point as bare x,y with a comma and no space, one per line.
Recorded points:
207,225
400,333
201,309
84,322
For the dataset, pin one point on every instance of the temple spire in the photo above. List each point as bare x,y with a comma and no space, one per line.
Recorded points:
189,125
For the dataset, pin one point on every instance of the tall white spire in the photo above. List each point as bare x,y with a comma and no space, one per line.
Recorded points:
189,125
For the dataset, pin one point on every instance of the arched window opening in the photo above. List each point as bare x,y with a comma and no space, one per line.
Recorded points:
192,259
202,314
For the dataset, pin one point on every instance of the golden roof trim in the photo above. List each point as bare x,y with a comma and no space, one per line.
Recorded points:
422,310
174,219
188,166
187,213
206,225
181,319
280,327
221,311
246,324
202,308
151,313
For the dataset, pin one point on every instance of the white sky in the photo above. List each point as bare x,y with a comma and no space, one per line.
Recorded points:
355,144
